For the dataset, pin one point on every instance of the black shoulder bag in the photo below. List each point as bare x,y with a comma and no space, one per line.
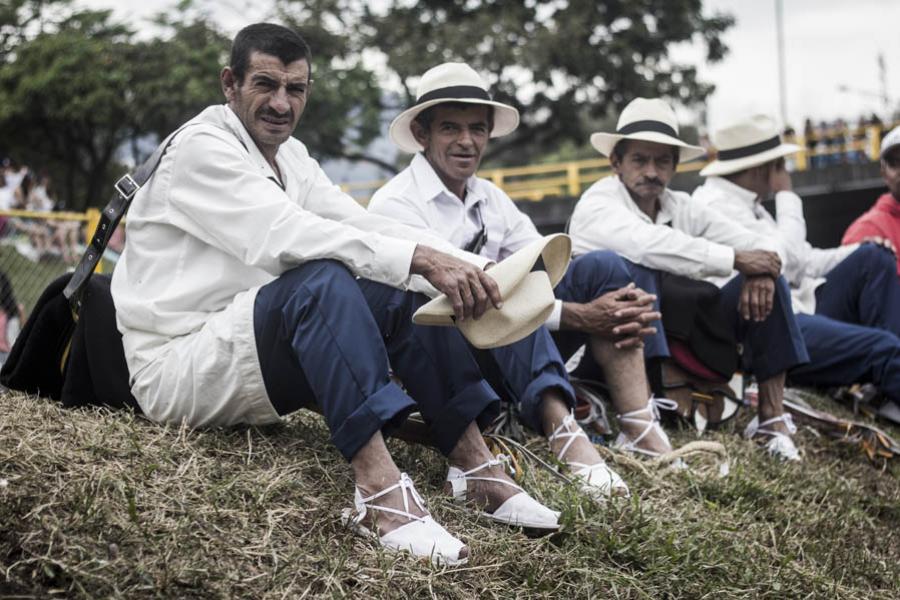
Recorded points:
70,349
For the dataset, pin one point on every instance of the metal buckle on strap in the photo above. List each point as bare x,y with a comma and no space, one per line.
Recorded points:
127,187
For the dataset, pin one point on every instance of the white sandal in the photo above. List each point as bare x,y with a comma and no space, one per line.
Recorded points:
780,444
520,510
627,444
421,537
598,480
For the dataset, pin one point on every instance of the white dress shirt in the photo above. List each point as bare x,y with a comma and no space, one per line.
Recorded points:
417,197
805,267
209,229
686,239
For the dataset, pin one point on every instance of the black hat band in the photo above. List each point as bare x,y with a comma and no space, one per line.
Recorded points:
750,150
654,126
455,92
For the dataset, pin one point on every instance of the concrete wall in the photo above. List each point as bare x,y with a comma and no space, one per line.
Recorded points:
832,199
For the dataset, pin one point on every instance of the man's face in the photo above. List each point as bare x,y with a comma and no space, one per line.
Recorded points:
270,99
646,168
890,171
455,140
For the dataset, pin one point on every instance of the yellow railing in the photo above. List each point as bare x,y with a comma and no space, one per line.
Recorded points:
536,182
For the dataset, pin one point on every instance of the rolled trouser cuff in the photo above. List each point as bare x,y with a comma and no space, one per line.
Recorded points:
530,404
477,403
388,406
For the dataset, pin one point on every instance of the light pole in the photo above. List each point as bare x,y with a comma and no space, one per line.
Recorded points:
782,78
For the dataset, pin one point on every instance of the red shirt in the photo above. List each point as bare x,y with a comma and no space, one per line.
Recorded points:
882,220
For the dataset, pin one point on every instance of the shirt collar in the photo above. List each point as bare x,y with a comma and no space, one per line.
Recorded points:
434,190
732,189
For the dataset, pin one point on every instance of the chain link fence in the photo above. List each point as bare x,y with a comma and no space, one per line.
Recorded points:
35,249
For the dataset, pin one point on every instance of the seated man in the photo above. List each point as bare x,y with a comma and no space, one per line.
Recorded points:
847,299
598,304
237,302
882,221
659,230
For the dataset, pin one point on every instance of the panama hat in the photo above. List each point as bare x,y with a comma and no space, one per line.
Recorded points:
527,295
650,120
747,143
450,82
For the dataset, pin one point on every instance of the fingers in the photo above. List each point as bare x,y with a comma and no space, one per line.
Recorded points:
468,302
479,295
757,303
744,304
629,343
490,287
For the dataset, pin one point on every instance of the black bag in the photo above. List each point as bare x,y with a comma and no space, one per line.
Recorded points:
77,363
70,349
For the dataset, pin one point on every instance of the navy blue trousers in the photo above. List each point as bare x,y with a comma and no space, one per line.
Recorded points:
853,337
863,289
769,347
326,339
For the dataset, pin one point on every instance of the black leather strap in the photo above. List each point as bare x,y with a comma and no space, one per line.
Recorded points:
112,214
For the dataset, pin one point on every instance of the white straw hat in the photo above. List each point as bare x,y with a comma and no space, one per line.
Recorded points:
650,120
745,144
527,295
450,82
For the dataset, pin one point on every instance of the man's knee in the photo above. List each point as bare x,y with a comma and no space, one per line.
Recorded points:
315,273
875,258
603,267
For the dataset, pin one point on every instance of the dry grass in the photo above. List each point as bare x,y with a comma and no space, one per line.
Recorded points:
99,504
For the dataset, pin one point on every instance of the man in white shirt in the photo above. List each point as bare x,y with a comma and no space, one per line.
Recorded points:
448,129
659,231
237,302
847,298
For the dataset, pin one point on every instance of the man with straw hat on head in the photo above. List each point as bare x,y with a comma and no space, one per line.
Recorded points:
448,130
661,231
847,299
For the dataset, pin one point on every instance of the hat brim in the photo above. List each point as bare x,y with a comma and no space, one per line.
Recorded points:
506,119
605,142
527,295
727,167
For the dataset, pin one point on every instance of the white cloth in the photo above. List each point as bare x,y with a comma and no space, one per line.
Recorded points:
208,229
805,267
417,197
686,238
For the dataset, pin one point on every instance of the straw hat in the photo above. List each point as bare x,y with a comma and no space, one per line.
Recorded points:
450,82
748,143
527,295
650,120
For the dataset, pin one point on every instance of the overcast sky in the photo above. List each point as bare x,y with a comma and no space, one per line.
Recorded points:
828,43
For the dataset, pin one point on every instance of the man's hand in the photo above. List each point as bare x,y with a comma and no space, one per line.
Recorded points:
779,178
757,262
623,315
757,295
468,287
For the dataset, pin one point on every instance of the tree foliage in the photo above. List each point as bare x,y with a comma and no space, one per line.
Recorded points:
563,65
81,88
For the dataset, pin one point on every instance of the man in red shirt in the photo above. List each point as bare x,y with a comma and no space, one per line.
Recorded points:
881,223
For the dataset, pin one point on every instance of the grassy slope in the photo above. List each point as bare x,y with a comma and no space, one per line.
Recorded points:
101,504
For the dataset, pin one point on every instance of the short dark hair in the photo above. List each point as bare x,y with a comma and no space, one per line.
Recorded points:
621,148
426,117
268,38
